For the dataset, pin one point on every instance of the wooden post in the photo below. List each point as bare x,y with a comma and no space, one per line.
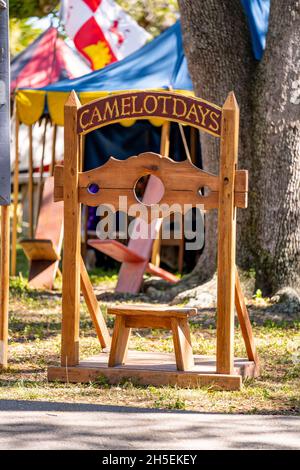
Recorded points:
16,200
4,285
30,181
53,161
193,143
41,179
244,320
226,236
72,258
164,150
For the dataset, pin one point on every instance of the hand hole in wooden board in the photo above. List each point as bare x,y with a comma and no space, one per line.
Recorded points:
149,190
204,191
93,188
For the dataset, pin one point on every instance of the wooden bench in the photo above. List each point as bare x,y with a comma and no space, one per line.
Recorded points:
175,319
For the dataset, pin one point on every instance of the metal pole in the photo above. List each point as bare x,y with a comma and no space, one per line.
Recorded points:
4,178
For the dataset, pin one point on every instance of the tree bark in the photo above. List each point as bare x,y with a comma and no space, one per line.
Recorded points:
218,49
275,228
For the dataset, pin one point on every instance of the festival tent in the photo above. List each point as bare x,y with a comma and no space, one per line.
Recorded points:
45,61
160,64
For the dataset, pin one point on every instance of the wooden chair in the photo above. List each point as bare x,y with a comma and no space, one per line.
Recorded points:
43,251
174,319
135,256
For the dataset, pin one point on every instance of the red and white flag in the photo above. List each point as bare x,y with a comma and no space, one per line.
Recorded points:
101,30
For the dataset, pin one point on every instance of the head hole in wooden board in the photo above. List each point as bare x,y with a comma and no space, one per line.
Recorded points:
149,190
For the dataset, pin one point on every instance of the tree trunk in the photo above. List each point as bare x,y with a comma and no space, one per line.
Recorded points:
218,49
275,228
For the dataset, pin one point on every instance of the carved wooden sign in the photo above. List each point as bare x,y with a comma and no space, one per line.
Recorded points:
171,106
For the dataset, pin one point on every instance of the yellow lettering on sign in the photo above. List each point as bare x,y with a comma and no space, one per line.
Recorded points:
82,125
177,101
96,115
192,112
154,103
214,117
134,110
125,102
203,114
164,99
111,109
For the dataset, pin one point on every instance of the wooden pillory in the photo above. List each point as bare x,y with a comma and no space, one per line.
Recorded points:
183,184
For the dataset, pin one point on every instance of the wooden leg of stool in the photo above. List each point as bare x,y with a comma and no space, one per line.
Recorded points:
119,343
182,343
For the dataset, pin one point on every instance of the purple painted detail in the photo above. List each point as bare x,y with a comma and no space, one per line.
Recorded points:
93,188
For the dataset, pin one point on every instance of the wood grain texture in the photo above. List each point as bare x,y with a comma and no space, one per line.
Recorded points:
174,176
119,343
142,310
45,248
154,368
244,321
227,236
71,259
93,307
160,272
116,250
164,151
40,250
182,344
30,182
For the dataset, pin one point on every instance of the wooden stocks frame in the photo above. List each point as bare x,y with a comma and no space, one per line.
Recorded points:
229,190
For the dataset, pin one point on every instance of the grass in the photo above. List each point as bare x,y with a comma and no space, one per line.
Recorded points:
34,343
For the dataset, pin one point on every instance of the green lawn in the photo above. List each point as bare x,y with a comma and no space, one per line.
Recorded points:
34,343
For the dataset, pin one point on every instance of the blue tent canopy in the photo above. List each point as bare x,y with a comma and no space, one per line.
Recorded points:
159,64
257,12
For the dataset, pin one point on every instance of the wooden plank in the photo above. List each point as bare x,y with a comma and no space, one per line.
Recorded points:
244,320
41,178
4,284
116,250
15,202
148,321
119,343
157,271
164,151
159,371
30,182
227,236
173,175
141,310
53,159
168,105
130,277
71,259
93,307
42,274
204,178
182,344
115,375
41,250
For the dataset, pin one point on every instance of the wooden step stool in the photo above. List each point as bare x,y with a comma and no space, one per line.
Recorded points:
175,319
